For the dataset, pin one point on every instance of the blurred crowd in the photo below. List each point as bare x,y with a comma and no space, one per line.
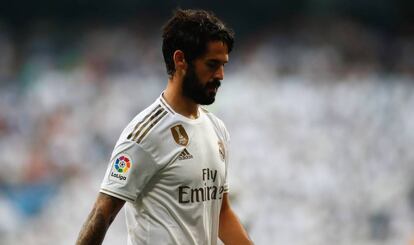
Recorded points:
321,117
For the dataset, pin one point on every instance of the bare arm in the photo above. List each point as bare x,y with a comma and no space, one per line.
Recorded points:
231,230
103,213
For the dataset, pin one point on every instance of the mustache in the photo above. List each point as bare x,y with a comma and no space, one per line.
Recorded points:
214,84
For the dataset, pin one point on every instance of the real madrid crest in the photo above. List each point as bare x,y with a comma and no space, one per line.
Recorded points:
180,135
221,150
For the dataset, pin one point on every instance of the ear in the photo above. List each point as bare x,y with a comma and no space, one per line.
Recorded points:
179,61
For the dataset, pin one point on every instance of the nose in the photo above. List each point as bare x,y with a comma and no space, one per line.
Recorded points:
219,74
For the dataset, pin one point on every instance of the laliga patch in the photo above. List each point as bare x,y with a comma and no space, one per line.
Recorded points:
120,168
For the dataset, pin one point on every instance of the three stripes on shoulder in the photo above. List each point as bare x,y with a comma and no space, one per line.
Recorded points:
145,125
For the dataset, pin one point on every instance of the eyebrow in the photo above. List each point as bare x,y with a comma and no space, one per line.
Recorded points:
217,61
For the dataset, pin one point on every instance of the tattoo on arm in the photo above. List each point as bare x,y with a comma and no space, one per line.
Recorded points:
103,213
94,229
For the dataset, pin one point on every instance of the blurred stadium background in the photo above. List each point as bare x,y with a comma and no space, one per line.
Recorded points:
318,98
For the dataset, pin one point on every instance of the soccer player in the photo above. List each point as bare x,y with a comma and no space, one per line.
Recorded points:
170,163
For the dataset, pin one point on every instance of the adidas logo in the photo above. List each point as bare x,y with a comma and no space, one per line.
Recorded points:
184,155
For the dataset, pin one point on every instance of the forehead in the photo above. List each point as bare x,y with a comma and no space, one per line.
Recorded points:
216,50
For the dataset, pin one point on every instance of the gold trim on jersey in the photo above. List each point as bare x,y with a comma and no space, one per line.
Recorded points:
142,124
145,118
166,106
151,125
204,109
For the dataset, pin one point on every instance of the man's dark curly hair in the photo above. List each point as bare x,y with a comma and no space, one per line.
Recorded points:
190,31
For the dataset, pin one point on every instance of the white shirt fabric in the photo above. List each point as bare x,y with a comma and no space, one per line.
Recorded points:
172,171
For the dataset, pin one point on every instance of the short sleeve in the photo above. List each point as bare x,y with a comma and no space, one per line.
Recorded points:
129,170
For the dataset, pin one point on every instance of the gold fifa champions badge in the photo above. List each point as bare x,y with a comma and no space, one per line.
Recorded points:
180,135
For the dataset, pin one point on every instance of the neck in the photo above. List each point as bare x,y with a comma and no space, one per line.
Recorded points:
179,103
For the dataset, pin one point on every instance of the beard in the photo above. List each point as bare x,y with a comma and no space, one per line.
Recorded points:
193,88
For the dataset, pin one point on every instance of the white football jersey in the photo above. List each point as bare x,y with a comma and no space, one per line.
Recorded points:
172,171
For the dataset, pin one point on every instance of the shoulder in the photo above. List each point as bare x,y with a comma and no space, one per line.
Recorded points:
151,131
145,122
217,123
142,125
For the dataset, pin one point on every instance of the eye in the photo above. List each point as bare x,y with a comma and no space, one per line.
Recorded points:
212,65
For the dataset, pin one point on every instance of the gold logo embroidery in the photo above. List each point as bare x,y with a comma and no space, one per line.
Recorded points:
180,135
221,150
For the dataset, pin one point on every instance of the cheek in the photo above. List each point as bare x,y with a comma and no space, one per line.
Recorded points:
205,76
